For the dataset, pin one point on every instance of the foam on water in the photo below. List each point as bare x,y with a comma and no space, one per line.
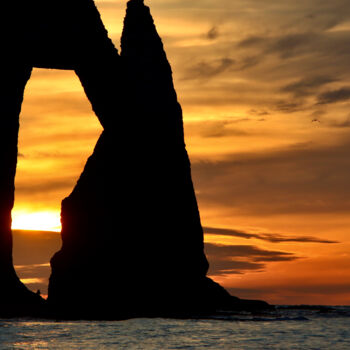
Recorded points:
284,329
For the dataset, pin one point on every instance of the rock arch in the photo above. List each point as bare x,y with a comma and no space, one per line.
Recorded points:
132,236
65,35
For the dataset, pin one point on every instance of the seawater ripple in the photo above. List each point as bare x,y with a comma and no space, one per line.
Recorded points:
284,329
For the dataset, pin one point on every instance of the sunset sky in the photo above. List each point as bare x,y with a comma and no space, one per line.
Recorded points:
265,89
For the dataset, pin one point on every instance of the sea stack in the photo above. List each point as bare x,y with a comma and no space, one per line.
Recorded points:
131,230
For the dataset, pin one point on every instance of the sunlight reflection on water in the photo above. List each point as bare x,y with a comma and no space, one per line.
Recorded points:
291,330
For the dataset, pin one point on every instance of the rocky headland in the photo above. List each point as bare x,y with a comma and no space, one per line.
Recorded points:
132,240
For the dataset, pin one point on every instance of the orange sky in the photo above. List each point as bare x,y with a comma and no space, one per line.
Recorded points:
265,88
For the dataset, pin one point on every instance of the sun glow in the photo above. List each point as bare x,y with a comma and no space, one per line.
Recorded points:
39,221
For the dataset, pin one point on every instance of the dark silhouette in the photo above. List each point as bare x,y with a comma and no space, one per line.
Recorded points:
131,230
15,298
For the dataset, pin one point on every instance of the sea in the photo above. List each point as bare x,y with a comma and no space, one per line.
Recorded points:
286,328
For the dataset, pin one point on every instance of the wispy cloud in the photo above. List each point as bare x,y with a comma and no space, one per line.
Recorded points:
302,179
334,96
209,69
307,86
269,237
238,259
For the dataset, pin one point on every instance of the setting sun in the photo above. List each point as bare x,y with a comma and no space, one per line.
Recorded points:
43,221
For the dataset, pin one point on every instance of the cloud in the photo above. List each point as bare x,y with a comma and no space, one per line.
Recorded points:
307,86
334,96
318,279
291,45
33,271
247,251
45,186
251,41
35,276
303,179
287,106
292,49
238,259
32,251
339,124
206,70
34,248
213,33
217,129
259,113
249,62
285,45
269,237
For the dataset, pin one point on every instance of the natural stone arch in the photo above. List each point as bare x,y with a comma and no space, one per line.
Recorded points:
150,261
65,35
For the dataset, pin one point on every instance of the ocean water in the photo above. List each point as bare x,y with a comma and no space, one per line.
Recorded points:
284,329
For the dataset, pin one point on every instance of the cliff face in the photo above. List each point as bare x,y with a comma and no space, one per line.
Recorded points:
54,34
131,230
132,237
15,298
43,34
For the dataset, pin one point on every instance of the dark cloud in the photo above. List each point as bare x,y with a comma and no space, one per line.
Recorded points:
301,179
289,106
252,41
269,237
32,251
249,62
237,259
339,124
285,45
205,70
304,282
247,251
299,59
334,96
224,267
213,33
259,113
33,271
307,86
34,248
290,45
216,129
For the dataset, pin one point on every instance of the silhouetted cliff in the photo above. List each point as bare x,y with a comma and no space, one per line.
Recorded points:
15,298
36,34
54,34
132,237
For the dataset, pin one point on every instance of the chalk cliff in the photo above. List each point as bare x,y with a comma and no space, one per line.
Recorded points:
131,230
132,236
15,298
42,34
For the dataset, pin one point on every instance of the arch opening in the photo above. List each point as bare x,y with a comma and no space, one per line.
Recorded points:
58,131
